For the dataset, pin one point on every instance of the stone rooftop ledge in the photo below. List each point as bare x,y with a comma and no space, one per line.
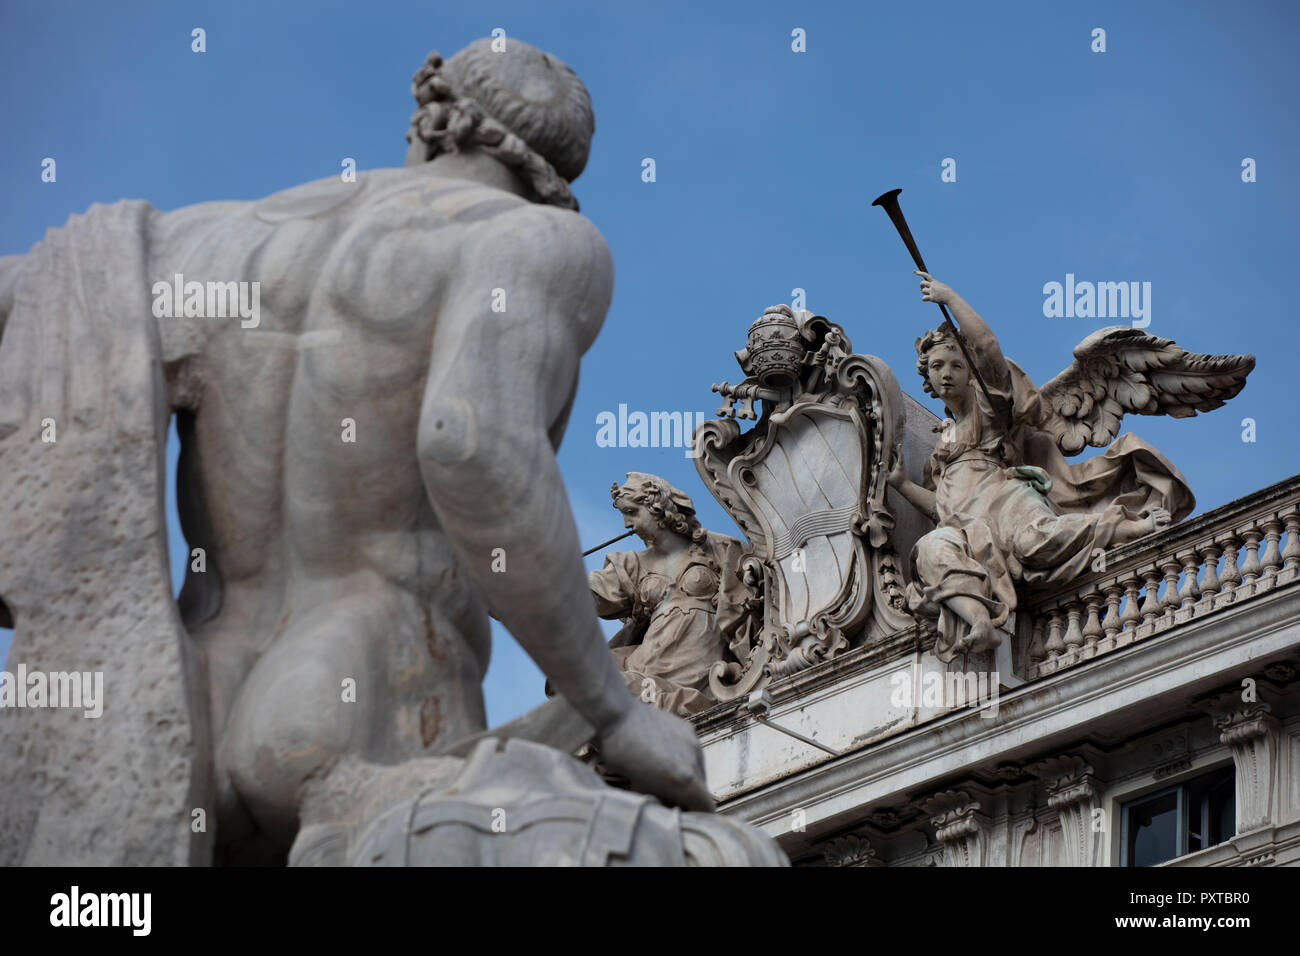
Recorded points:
1168,672
1141,614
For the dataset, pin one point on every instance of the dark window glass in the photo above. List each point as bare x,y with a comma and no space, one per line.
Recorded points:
1153,830
1192,816
1222,809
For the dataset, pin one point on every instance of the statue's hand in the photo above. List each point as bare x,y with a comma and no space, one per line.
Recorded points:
659,754
1149,522
897,474
932,290
1160,519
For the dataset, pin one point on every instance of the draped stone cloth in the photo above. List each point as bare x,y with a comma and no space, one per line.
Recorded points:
83,559
1012,510
675,629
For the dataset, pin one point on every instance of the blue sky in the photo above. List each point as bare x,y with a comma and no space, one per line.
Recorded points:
1115,166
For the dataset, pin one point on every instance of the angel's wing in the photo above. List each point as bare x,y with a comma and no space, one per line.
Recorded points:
1122,370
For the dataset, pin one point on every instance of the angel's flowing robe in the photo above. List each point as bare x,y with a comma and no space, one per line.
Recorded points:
681,625
1012,510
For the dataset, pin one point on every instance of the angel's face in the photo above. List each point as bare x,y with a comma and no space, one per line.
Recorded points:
637,517
949,374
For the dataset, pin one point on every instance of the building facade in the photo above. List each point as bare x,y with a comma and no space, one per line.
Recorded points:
1146,714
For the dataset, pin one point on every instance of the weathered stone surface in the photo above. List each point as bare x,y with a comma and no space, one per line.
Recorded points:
367,462
516,803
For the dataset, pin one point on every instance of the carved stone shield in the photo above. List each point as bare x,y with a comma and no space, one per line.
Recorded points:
807,486
804,484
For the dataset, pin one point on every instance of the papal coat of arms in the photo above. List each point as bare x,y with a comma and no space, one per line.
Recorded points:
807,486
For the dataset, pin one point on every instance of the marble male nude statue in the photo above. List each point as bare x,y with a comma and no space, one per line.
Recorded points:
354,463
458,409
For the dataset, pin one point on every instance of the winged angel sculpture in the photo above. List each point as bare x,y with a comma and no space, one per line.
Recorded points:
1010,509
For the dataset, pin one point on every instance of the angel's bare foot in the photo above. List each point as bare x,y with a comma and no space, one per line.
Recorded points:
983,636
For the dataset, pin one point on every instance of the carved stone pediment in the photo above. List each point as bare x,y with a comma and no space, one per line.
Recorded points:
807,486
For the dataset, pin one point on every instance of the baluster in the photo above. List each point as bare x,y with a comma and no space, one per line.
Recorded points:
1131,618
1073,633
1036,651
1272,557
1210,581
1291,553
1055,647
1189,593
1251,567
1169,602
1151,602
1114,592
1092,632
1231,576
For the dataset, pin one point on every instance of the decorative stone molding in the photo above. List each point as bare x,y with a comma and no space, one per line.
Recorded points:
1172,754
885,819
1072,792
1253,733
1282,672
825,561
1020,832
960,827
850,850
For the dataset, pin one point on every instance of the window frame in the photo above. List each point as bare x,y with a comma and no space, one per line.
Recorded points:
1126,802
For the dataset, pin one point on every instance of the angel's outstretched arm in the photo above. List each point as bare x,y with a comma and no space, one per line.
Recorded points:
979,337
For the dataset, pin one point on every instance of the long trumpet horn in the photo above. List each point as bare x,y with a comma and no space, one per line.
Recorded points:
889,202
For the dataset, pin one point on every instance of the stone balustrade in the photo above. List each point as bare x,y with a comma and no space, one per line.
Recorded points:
1196,568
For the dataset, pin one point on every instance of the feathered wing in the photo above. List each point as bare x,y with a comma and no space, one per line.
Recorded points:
1123,370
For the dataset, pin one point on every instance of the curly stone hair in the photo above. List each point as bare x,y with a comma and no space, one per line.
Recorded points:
672,509
524,108
924,345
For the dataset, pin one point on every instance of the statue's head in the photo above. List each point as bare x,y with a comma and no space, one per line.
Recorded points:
667,507
941,364
520,105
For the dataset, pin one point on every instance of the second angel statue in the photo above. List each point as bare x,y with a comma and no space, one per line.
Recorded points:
680,599
1010,509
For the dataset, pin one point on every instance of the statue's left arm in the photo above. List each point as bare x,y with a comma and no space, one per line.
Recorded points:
10,266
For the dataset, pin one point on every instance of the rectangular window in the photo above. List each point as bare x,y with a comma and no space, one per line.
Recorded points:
1182,819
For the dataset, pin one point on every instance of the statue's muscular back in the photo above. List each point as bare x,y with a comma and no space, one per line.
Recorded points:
329,566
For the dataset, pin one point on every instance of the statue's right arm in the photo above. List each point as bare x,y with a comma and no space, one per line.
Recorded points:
612,588
498,382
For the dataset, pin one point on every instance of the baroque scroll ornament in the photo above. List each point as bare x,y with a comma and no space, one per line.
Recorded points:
807,486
